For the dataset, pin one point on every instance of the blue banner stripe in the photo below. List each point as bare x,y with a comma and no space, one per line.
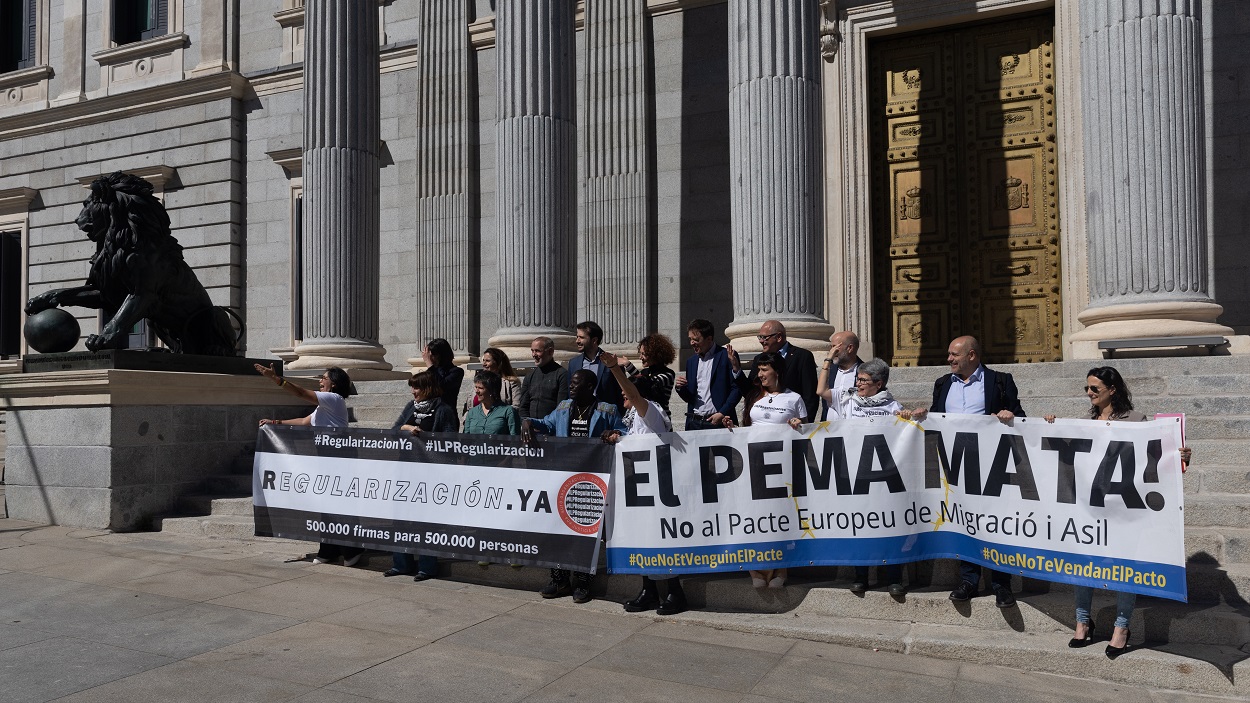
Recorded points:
1146,578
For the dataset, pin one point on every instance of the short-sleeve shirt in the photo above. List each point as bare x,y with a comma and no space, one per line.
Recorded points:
778,409
654,422
331,410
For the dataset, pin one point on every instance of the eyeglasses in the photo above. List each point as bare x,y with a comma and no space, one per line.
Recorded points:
1094,389
864,380
765,337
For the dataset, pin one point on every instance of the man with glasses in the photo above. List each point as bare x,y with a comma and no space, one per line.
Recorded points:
972,389
800,366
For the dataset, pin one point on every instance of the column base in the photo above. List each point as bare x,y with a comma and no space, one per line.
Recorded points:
362,361
515,342
811,334
1150,320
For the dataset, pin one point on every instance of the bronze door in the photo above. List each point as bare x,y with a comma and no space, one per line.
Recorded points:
965,216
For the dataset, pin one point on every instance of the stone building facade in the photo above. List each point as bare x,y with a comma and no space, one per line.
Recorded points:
1046,175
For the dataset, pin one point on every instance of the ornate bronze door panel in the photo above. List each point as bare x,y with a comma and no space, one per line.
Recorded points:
965,219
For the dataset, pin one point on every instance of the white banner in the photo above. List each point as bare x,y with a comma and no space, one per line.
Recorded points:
1077,501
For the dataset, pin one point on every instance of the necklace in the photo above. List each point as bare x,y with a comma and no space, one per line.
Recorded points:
583,412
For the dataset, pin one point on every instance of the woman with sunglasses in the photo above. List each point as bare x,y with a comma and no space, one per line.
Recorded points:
1111,401
871,398
333,387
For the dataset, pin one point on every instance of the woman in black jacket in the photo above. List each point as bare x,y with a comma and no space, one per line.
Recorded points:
426,412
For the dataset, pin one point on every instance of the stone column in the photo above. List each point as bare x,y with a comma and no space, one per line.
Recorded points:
213,36
616,246
446,277
341,144
774,149
536,171
1145,174
73,54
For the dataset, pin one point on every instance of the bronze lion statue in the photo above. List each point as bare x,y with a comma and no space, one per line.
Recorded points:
138,272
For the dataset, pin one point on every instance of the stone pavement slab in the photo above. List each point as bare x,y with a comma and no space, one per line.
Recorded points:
235,620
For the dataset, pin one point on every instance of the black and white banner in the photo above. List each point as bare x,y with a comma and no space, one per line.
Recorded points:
477,497
1076,501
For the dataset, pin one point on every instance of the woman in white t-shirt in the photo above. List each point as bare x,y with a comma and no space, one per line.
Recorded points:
775,406
333,387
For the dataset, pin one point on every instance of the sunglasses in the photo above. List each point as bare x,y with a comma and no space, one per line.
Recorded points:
1094,389
766,337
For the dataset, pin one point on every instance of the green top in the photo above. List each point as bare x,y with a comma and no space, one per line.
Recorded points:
502,419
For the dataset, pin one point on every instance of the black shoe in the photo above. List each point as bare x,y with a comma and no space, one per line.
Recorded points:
647,599
422,576
581,593
897,590
1086,641
1004,599
672,605
556,589
859,587
396,572
1113,652
964,591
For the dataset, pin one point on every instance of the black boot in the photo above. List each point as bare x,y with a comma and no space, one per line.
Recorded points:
558,586
581,587
648,598
675,601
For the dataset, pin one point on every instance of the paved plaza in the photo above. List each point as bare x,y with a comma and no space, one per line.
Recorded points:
93,616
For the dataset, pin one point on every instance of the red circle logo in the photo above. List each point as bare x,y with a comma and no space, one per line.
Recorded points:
581,502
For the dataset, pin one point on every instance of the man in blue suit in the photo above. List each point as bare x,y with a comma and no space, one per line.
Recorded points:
708,385
972,389
589,337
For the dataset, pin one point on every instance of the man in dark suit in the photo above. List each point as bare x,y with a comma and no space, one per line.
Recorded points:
800,366
707,386
589,337
972,389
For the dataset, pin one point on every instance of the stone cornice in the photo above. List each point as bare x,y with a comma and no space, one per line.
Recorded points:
138,50
14,200
291,161
293,17
159,176
99,387
24,76
191,91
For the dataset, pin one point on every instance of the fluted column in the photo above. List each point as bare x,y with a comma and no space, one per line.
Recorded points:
341,144
774,150
536,162
1145,183
617,245
446,275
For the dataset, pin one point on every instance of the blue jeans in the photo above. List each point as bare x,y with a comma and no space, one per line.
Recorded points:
425,563
1124,604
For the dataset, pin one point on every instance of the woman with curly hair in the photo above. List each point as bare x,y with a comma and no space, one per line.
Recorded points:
498,363
655,379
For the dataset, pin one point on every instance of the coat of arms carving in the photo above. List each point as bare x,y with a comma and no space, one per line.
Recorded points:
1013,196
913,205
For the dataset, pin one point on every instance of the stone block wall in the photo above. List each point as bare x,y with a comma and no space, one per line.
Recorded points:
116,467
1227,29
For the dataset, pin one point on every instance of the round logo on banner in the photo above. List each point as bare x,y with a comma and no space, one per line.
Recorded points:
581,502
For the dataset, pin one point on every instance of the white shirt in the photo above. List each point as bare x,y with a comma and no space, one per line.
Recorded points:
778,409
331,410
655,421
704,379
967,398
854,409
843,381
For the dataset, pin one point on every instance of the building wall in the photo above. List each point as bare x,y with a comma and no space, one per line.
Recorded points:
1228,44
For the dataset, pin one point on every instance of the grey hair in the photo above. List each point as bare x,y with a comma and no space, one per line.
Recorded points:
547,342
877,370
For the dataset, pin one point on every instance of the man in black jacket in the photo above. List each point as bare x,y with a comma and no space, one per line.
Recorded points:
972,389
800,366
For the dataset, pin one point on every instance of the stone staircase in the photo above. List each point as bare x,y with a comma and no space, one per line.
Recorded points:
1211,391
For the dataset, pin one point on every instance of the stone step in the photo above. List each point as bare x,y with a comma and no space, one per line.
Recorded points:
216,505
1207,479
222,526
1216,509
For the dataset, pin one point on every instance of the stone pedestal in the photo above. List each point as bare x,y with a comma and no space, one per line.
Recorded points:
536,167
111,449
1149,267
341,161
775,155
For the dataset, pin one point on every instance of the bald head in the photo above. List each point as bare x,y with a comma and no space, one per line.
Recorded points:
964,356
844,349
772,336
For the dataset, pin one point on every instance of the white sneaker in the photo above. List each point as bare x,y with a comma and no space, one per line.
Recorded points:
352,561
319,560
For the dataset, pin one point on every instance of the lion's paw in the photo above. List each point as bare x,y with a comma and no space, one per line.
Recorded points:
96,342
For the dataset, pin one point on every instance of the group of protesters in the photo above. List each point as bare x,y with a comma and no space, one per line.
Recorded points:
603,396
